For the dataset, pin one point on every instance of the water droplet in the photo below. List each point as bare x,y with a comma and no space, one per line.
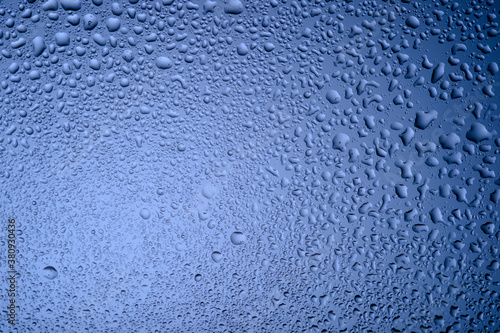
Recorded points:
238,238
145,214
50,272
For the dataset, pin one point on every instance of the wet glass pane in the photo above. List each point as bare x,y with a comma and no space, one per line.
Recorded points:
249,166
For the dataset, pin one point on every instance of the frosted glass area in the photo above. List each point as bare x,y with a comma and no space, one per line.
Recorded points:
249,166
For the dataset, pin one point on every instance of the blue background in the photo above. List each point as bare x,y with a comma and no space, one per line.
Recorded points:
245,166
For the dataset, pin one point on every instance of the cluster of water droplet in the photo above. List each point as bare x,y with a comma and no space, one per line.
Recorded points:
231,166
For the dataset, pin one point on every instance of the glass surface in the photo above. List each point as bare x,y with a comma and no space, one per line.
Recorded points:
249,166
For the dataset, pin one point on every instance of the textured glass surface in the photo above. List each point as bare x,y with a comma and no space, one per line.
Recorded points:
250,166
